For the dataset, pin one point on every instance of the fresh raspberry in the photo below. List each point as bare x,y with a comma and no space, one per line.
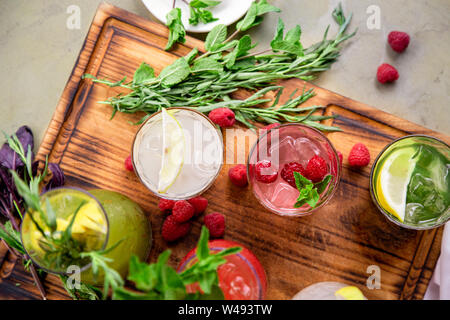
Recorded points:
215,222
316,169
287,173
199,204
165,204
341,157
173,230
271,126
398,40
182,211
359,156
238,175
224,117
387,73
129,164
264,172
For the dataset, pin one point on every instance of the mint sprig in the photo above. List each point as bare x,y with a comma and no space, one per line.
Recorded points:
309,192
199,13
159,281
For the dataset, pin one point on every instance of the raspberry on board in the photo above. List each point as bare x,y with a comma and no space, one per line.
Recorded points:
165,204
182,211
224,117
199,203
173,230
238,175
129,164
215,222
359,156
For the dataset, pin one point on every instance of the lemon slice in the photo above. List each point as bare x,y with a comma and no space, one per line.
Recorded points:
350,293
173,151
393,180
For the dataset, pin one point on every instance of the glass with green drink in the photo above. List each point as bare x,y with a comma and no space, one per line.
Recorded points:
72,222
410,182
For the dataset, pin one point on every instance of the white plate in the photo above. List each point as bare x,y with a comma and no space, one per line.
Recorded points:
228,12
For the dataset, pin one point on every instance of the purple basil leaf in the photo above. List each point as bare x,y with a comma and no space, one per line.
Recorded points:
57,179
8,158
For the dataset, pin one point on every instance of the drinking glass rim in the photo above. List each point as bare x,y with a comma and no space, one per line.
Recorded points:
207,185
87,266
372,191
338,175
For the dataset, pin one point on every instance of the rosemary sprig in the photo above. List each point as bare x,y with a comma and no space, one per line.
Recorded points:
205,82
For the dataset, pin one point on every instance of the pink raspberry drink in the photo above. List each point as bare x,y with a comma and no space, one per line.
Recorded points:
242,277
290,148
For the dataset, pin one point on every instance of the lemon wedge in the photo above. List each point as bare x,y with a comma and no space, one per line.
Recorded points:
173,151
350,293
393,180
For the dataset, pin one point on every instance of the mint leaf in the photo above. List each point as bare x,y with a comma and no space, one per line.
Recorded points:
143,74
216,37
191,55
207,65
242,48
254,15
290,43
322,185
199,13
175,73
308,192
177,32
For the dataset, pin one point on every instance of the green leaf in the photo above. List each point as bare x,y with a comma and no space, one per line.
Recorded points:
322,185
290,43
177,33
254,15
242,48
142,274
11,237
300,181
216,37
191,55
51,215
175,73
203,3
143,74
308,192
202,246
207,65
216,293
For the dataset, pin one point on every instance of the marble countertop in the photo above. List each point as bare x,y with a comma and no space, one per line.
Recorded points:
38,51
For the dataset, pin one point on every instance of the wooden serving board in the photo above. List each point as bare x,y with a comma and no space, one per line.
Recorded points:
337,243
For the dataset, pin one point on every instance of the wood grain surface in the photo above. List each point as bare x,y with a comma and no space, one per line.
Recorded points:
337,243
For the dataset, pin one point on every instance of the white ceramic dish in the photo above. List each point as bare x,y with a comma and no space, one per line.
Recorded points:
228,12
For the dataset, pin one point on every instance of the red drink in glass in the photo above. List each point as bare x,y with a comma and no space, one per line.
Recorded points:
285,144
242,277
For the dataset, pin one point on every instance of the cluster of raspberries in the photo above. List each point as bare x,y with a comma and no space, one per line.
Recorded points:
398,41
180,213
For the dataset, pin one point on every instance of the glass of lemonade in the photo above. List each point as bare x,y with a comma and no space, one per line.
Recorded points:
330,291
242,277
177,153
102,219
281,146
410,182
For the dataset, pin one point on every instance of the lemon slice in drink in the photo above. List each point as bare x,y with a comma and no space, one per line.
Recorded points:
393,180
173,151
350,293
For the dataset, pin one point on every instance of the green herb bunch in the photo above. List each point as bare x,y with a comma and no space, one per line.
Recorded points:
206,81
159,281
310,192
